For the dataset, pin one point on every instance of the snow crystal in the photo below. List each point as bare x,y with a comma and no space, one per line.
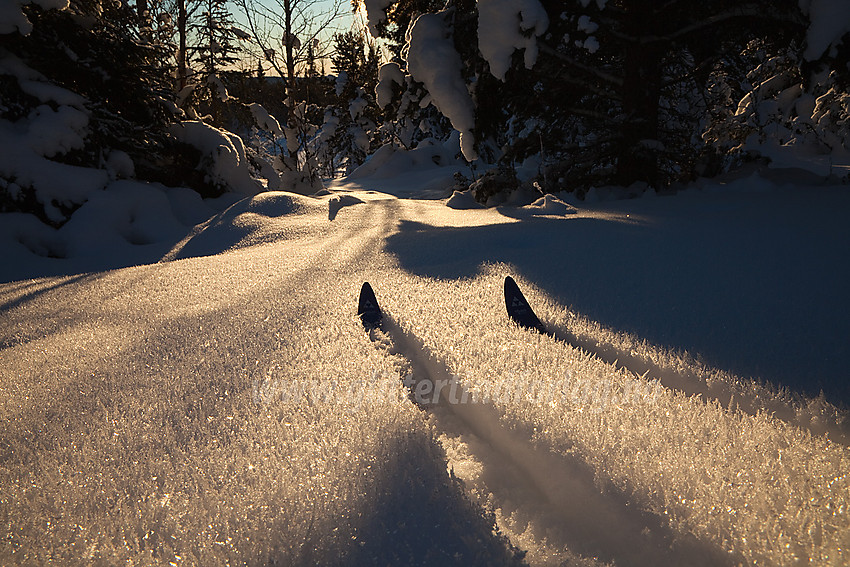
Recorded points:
432,60
504,26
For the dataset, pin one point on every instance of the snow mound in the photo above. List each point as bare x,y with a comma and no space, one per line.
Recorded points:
426,172
551,205
128,223
261,219
128,214
463,200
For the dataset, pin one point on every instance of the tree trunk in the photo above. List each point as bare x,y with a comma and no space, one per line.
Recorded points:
638,160
289,38
181,49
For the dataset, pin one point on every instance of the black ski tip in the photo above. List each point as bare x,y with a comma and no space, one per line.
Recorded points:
518,308
368,309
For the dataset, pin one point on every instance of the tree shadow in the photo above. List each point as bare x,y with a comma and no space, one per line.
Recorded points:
556,496
756,301
422,516
18,294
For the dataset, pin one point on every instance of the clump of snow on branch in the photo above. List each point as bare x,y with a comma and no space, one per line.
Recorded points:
388,74
504,26
433,61
13,19
829,22
265,120
224,159
341,81
599,3
376,12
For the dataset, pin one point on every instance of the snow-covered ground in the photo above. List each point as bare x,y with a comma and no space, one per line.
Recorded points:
200,391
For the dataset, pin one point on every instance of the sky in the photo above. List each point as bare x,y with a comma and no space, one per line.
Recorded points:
343,23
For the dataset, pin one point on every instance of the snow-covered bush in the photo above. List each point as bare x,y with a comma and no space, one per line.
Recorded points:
224,162
85,100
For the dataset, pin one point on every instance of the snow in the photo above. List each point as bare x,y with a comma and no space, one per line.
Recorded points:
13,19
432,60
52,129
376,12
265,120
388,74
586,25
463,200
125,224
223,155
46,133
674,417
425,171
829,21
507,25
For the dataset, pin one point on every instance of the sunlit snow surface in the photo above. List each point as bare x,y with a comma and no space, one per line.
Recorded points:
227,406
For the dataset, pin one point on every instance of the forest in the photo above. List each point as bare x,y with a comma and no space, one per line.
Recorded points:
543,94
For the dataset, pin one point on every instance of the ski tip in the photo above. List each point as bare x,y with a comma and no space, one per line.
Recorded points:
518,308
367,307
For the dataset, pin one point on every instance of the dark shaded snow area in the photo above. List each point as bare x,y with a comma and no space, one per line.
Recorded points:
220,402
750,283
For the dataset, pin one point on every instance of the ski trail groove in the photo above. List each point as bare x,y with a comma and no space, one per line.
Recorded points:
549,503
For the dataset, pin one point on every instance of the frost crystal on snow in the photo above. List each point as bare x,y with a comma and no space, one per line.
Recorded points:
501,27
432,60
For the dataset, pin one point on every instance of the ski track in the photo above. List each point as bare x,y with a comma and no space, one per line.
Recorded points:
547,501
549,504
